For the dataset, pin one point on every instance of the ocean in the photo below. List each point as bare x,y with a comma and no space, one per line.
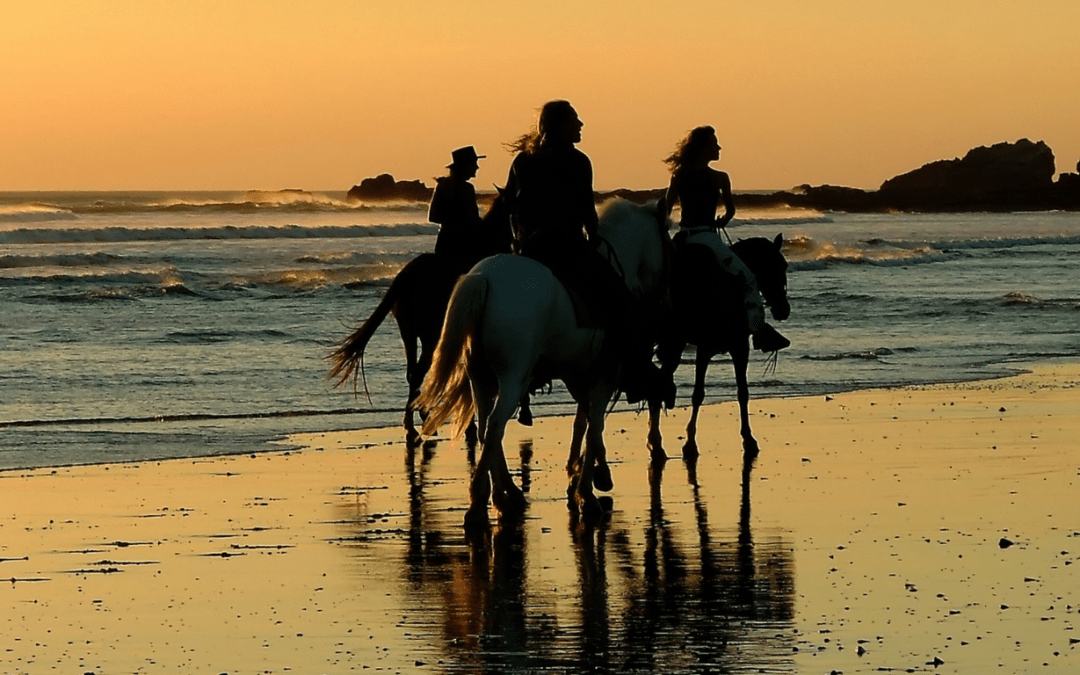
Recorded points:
150,325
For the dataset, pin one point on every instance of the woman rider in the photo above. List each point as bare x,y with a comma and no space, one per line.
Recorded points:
699,188
552,210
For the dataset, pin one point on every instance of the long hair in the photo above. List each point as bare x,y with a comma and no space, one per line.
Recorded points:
552,116
690,148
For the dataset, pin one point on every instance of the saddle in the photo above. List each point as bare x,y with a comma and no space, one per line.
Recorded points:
706,301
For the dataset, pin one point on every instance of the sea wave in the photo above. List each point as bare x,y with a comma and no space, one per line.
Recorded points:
34,212
28,235
98,259
804,253
31,207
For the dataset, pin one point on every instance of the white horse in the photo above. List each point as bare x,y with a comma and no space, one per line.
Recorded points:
507,314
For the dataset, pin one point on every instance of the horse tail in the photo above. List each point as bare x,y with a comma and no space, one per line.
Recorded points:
447,392
347,360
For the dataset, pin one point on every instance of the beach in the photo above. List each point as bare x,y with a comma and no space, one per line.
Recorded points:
919,529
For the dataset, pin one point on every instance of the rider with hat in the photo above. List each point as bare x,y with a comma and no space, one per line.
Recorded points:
453,207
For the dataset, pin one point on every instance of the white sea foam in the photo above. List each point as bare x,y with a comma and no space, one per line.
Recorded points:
28,235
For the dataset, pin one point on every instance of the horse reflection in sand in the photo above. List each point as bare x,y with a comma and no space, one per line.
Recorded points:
508,314
417,298
668,592
708,313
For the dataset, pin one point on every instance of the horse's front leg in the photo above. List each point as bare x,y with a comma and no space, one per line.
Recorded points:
740,356
701,367
669,353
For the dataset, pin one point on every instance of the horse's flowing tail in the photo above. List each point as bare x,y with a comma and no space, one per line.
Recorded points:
447,392
347,360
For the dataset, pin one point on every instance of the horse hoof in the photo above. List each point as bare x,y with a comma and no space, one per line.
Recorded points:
510,503
471,435
690,450
525,417
591,509
657,454
476,517
601,478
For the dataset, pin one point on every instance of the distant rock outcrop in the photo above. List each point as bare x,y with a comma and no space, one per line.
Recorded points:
1005,176
383,188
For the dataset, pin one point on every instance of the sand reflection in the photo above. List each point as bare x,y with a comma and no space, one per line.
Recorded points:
653,588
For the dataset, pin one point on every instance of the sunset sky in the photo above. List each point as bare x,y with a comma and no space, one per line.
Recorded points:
280,94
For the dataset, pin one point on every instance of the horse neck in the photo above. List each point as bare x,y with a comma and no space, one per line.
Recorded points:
638,250
748,252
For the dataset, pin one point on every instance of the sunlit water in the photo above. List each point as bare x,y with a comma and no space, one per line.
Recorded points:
149,325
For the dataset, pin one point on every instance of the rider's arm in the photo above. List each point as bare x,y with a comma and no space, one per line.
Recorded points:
729,201
672,195
588,201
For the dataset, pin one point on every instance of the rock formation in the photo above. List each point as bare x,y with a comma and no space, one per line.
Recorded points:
383,188
1005,176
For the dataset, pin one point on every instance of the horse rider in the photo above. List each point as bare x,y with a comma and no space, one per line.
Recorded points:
553,215
453,207
699,188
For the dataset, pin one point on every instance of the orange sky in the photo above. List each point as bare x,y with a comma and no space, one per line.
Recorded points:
275,94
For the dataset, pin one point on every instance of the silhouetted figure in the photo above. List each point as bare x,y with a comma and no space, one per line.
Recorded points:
453,207
700,188
553,214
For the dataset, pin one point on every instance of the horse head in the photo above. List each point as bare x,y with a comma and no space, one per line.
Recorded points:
496,234
766,260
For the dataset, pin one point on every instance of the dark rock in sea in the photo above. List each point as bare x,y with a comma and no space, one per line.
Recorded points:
1002,177
383,188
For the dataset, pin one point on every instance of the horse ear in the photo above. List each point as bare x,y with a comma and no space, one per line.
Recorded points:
779,241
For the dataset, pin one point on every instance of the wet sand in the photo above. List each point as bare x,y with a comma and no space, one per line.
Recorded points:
928,529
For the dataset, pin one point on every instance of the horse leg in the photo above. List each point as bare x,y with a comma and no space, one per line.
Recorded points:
508,498
669,355
740,356
587,502
573,462
414,377
701,367
525,416
480,485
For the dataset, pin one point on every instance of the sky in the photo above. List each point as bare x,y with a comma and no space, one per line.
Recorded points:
274,94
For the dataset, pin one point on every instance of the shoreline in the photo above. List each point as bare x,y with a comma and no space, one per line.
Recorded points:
282,442
878,529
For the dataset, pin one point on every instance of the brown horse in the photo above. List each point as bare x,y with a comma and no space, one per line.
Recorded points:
709,313
418,298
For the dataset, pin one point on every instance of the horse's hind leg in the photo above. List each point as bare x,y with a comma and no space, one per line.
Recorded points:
573,461
701,367
508,498
740,356
414,376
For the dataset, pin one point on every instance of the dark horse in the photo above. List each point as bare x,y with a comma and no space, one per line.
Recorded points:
709,313
418,298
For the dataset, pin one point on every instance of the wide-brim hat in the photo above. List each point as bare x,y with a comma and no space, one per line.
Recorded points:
463,156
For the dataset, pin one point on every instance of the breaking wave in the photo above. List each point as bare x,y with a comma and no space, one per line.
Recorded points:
227,232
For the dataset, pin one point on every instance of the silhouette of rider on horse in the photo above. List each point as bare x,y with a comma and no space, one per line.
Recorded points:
554,219
453,207
700,189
